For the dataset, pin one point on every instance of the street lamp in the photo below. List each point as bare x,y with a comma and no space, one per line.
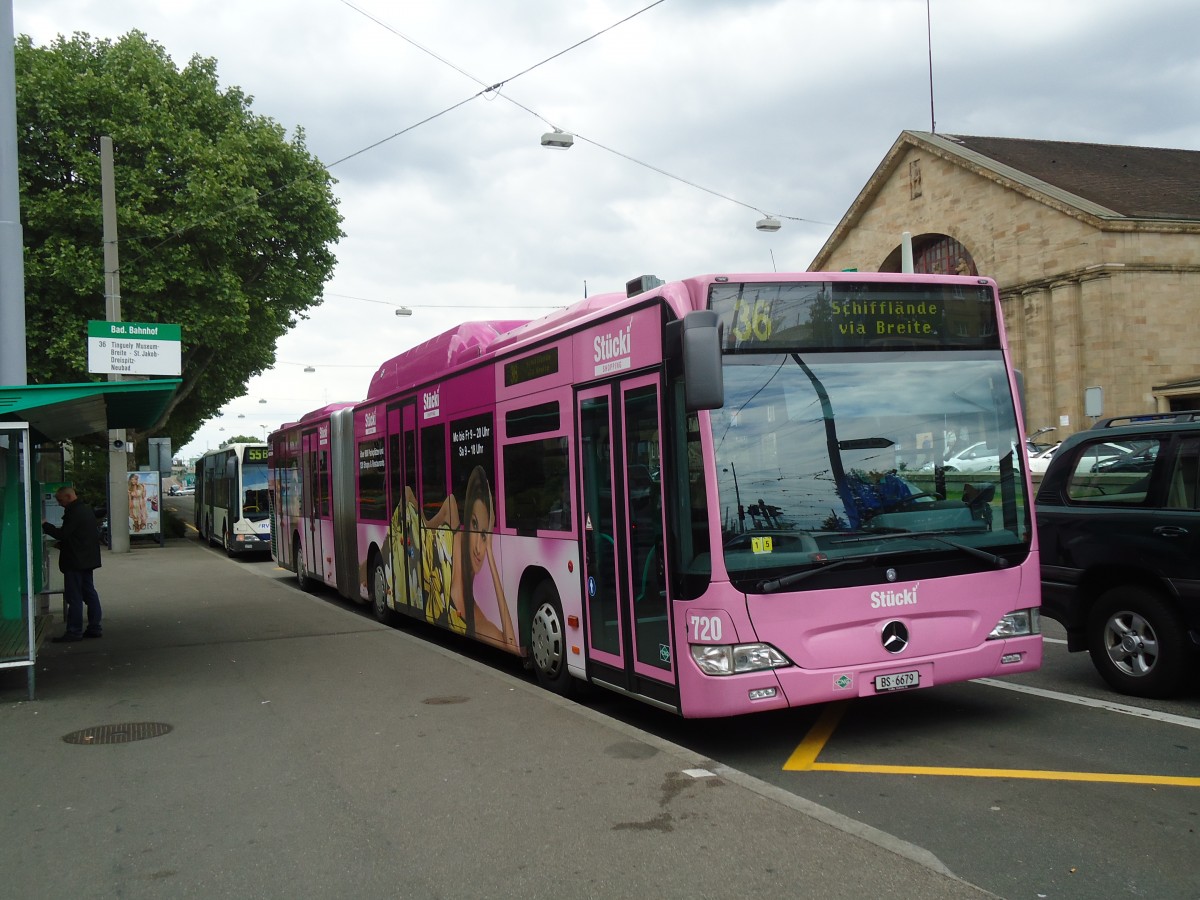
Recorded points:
768,223
403,311
309,369
558,138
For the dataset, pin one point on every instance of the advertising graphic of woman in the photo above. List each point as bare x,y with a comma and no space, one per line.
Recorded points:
472,550
453,553
137,503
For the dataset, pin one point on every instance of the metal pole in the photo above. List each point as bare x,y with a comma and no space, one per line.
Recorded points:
13,363
118,446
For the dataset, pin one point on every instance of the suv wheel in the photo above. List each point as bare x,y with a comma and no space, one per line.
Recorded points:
1138,642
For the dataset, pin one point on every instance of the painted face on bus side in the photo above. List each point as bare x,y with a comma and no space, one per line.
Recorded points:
480,526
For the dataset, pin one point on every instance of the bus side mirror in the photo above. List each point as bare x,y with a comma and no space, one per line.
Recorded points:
703,385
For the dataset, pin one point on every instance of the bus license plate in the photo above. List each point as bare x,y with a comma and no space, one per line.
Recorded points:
897,681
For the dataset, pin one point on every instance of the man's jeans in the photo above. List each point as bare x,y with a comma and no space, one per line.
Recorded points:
80,591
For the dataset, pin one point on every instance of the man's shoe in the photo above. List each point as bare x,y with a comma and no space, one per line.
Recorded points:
93,634
66,638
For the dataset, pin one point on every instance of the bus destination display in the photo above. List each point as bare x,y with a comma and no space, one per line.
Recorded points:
854,316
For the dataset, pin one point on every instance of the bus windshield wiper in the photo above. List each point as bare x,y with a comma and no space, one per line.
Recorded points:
998,561
777,584
772,585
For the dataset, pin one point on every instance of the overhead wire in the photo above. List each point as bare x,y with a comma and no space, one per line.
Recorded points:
179,232
496,89
487,89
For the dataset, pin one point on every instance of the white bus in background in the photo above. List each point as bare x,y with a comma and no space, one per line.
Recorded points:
231,505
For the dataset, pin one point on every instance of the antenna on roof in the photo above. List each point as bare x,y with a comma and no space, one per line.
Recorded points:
929,44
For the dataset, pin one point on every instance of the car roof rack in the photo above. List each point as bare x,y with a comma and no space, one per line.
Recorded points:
1183,415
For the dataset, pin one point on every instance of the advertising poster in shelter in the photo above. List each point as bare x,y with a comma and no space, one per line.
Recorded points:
145,504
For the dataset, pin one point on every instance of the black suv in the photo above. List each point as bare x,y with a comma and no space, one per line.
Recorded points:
1118,521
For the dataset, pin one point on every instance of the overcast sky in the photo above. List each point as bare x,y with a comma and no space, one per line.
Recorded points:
779,106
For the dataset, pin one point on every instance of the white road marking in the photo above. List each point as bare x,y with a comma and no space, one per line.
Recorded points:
1137,712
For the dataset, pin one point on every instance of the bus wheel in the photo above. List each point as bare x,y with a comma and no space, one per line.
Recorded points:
227,542
548,641
379,593
303,579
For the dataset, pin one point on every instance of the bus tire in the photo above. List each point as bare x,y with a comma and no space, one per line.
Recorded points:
303,578
548,641
379,592
227,543
1138,642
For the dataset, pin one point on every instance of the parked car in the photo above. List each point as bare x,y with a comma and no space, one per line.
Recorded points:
1120,550
1040,461
976,457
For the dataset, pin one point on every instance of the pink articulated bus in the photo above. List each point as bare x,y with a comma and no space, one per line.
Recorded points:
718,495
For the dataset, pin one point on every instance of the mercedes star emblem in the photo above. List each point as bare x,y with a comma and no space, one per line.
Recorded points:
895,637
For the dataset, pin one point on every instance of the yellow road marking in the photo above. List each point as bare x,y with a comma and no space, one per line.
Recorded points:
805,756
804,759
1028,774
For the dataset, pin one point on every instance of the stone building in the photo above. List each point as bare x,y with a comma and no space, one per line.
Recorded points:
1096,250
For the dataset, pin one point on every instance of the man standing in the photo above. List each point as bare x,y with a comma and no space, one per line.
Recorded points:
78,556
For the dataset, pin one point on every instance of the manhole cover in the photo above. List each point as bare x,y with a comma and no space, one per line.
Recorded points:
117,734
443,701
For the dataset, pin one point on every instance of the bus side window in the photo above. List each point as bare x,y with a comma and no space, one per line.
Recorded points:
433,470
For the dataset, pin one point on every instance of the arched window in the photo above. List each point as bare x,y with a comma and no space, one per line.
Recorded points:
934,254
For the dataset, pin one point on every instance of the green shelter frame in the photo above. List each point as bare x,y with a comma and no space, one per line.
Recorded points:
31,416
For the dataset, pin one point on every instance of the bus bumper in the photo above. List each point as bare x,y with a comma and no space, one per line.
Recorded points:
732,695
251,543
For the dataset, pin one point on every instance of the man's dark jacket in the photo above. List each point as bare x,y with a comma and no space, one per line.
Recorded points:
78,538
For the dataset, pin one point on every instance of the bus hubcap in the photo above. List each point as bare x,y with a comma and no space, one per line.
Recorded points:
546,639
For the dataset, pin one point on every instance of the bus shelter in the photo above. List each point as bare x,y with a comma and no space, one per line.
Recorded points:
34,420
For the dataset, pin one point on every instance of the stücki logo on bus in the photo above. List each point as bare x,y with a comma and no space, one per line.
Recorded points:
369,422
431,404
322,435
612,350
906,597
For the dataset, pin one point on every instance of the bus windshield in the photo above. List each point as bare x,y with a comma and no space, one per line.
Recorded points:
823,456
255,502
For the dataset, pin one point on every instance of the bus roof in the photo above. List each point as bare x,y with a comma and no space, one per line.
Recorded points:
471,340
321,413
468,341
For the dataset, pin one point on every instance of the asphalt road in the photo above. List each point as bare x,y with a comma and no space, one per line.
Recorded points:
1045,785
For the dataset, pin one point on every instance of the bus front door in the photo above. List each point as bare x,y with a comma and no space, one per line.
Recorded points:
625,597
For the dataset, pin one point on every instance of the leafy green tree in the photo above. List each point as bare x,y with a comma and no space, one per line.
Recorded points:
242,439
226,226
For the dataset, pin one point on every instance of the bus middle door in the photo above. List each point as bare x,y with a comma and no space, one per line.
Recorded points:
624,569
315,502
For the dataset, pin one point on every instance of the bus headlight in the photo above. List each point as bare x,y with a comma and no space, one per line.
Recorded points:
733,659
1018,623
